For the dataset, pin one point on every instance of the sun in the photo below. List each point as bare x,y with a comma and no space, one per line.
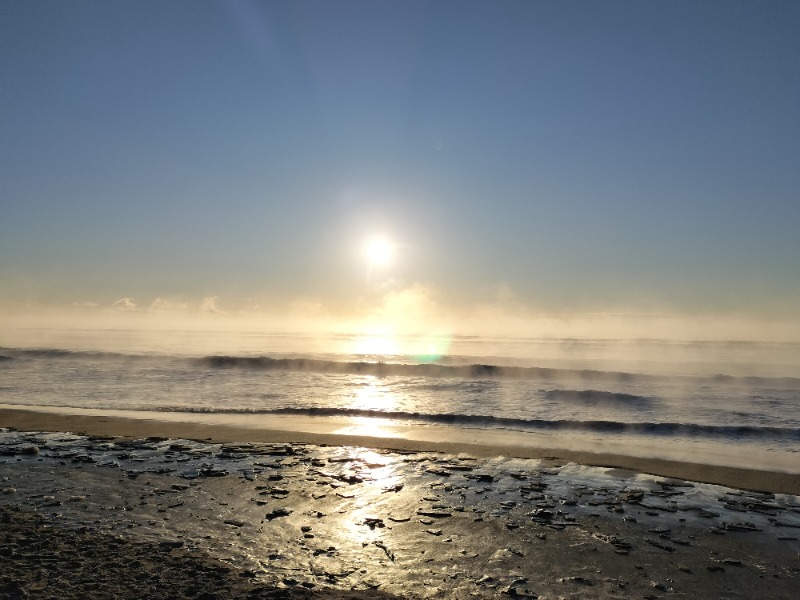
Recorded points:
379,251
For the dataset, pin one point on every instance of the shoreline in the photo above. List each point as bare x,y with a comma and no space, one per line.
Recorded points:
331,432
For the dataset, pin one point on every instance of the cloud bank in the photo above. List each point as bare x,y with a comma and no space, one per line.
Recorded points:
401,309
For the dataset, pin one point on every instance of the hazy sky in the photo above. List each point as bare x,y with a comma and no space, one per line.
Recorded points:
566,156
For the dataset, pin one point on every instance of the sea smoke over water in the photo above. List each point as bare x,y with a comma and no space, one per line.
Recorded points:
689,398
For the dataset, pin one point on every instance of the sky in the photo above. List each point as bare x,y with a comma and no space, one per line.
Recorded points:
533,158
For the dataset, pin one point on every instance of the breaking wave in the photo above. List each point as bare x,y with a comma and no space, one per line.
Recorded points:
470,371
596,398
473,371
58,353
448,367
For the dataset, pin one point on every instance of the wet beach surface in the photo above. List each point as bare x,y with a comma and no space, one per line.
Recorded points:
118,517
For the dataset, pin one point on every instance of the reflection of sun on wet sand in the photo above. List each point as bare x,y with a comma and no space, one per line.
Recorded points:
294,520
367,427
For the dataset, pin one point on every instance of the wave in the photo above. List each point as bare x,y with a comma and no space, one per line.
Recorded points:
470,371
383,369
58,353
596,397
492,422
440,370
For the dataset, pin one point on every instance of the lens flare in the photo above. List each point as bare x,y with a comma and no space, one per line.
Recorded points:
432,348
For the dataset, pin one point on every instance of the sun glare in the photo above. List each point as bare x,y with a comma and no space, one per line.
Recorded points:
376,343
379,251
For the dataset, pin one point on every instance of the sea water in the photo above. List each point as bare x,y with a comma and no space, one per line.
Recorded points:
732,403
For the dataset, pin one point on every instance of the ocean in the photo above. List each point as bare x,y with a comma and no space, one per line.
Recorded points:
725,403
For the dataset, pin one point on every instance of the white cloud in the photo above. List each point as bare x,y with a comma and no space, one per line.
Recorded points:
164,304
125,304
209,305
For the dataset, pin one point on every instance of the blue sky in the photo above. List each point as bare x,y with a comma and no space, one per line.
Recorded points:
570,156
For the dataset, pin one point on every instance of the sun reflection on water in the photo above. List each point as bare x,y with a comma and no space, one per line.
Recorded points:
376,343
385,342
371,394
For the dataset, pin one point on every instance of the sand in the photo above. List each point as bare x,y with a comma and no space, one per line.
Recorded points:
329,431
136,508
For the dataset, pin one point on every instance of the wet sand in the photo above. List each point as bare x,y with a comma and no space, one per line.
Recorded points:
342,432
141,516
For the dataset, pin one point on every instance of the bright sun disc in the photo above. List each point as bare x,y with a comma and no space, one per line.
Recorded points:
379,251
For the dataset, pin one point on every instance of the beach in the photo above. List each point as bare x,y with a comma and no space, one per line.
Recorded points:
106,506
399,300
